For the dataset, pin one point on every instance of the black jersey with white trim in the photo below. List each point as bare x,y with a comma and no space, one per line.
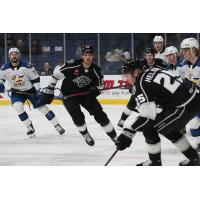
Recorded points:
78,79
158,63
163,88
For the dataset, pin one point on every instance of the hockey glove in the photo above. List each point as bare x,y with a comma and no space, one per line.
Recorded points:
2,87
93,91
46,95
125,139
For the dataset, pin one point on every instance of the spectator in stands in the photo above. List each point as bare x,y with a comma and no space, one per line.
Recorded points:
47,69
117,55
10,41
22,46
35,47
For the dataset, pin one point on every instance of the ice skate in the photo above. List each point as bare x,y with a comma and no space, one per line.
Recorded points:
31,131
60,129
150,163
88,139
194,162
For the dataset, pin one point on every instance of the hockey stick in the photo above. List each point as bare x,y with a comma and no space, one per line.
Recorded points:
111,157
85,93
59,95
20,92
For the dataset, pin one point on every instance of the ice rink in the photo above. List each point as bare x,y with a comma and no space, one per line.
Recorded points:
51,149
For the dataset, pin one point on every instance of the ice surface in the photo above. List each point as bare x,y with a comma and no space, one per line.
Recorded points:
49,148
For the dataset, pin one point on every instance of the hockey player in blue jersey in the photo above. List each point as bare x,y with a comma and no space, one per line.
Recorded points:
191,68
175,62
24,82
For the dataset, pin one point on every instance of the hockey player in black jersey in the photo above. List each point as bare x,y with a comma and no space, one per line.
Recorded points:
178,102
148,62
80,76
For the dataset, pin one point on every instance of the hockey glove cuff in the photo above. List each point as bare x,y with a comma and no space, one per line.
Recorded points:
125,139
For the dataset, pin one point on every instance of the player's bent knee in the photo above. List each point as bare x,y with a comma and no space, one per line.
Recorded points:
78,118
19,107
174,136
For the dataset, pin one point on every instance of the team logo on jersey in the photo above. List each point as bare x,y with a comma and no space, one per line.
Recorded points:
76,72
82,81
18,80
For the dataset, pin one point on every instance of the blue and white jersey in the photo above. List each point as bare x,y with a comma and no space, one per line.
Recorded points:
23,77
177,70
192,72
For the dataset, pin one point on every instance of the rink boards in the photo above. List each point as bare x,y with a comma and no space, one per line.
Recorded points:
114,96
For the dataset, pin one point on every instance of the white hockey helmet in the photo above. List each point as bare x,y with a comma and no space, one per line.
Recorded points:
171,50
14,49
158,38
189,43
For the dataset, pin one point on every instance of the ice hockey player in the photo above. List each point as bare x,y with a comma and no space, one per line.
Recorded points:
23,78
158,44
178,101
175,62
191,68
149,62
82,75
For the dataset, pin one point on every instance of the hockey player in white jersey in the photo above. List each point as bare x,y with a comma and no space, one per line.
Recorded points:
175,62
24,82
158,44
190,51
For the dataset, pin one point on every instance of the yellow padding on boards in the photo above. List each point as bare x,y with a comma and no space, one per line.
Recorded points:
57,102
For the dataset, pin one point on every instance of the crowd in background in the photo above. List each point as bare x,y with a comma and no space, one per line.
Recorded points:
46,51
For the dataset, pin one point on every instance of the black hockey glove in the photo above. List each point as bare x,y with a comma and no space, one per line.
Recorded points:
125,139
46,95
94,91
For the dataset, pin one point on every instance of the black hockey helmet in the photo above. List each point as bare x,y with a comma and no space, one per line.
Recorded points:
130,65
87,49
150,50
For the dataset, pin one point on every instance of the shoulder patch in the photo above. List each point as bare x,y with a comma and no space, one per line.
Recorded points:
26,64
5,66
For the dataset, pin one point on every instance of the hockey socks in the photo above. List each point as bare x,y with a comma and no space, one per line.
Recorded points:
184,146
84,132
52,118
110,131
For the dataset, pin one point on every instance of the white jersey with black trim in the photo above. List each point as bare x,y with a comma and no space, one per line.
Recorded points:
22,78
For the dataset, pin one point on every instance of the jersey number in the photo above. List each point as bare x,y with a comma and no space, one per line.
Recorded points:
165,80
140,99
